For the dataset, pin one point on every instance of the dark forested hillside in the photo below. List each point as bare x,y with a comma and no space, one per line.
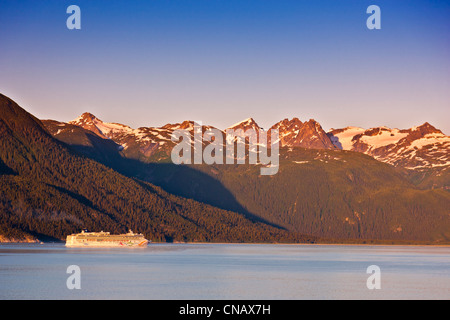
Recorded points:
48,191
327,193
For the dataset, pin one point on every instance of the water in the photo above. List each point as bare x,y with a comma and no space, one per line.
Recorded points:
224,271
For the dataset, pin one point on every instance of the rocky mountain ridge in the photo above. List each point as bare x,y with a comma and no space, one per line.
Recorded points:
418,148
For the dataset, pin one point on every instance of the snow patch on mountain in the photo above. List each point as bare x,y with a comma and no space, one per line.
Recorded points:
384,138
431,139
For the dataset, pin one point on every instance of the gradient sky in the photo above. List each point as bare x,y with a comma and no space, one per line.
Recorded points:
148,63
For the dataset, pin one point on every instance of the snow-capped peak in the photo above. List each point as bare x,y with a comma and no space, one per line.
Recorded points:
104,129
245,125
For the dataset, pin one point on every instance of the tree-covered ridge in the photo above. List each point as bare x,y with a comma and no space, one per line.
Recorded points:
327,193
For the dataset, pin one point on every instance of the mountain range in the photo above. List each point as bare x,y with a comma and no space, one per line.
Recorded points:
422,150
349,184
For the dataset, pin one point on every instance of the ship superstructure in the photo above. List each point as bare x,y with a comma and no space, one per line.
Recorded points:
105,239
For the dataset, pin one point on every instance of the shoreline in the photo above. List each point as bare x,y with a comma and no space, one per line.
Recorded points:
253,243
311,244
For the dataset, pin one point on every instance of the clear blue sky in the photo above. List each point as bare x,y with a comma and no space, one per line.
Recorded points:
148,63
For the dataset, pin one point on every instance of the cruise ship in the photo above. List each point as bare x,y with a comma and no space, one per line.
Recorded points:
105,239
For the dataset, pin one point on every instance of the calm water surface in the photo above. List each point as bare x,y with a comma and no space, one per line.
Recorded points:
224,271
